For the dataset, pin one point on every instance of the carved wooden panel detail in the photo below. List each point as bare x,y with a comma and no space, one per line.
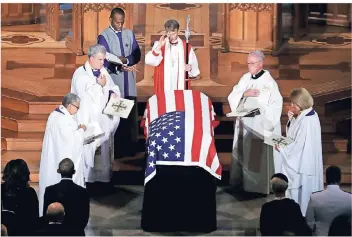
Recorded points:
256,7
97,7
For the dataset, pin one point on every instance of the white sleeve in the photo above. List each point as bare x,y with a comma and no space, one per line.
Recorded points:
292,153
194,62
236,94
153,58
274,109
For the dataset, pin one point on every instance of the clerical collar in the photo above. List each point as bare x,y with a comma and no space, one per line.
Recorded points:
96,73
119,31
258,75
175,43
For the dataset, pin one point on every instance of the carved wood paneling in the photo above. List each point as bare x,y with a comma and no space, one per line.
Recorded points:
52,20
19,13
97,7
74,43
256,7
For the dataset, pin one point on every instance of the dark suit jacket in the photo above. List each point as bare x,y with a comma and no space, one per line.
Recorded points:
75,200
57,230
280,216
25,205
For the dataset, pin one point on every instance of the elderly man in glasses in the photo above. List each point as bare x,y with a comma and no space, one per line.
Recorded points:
252,159
63,138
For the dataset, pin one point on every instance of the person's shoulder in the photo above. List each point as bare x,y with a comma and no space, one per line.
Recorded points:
318,194
247,75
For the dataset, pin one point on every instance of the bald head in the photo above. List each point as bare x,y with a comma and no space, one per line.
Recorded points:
55,212
66,168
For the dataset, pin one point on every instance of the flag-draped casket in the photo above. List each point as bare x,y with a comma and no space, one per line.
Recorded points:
181,162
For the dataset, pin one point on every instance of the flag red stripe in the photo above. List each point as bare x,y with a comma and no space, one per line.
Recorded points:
212,151
179,100
148,117
198,126
161,102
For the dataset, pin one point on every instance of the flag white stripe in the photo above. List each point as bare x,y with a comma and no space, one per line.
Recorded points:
215,164
153,106
189,125
206,137
170,102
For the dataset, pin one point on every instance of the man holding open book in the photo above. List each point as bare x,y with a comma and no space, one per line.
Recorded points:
121,43
257,103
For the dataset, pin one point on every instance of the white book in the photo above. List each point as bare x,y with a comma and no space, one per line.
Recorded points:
113,58
243,113
119,106
275,139
92,133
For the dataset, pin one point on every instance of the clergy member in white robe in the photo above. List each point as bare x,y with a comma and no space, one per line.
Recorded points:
302,160
252,160
93,84
168,56
63,138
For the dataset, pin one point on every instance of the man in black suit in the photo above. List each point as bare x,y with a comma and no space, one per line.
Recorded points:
282,216
54,226
73,197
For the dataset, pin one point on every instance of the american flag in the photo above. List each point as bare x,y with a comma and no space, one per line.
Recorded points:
179,126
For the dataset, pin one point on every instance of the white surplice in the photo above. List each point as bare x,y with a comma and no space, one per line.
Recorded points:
174,64
62,139
252,160
302,160
94,98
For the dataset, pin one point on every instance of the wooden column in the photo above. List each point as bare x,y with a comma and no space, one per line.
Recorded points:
96,19
74,42
250,26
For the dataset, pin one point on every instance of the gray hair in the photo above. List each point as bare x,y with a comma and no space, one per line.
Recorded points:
172,25
278,185
96,49
69,99
258,54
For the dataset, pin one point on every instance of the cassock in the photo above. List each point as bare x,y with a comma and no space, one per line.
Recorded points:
62,139
169,71
252,160
302,160
123,43
94,98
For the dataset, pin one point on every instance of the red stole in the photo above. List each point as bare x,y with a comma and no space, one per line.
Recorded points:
159,70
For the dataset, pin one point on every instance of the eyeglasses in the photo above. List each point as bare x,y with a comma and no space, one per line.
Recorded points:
77,107
254,62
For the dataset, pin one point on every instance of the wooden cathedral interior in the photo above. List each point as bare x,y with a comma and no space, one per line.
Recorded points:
306,45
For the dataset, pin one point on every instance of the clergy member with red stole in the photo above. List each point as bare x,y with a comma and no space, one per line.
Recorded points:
168,56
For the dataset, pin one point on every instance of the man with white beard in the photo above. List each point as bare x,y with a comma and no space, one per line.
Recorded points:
252,159
93,84
63,138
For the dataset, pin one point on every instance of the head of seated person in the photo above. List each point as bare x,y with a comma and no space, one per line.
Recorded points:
55,213
341,226
279,184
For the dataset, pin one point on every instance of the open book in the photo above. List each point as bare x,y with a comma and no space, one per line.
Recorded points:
119,106
92,133
112,58
274,139
244,113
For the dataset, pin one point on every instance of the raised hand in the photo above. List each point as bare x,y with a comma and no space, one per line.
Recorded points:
251,93
162,41
101,80
290,114
188,67
82,126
